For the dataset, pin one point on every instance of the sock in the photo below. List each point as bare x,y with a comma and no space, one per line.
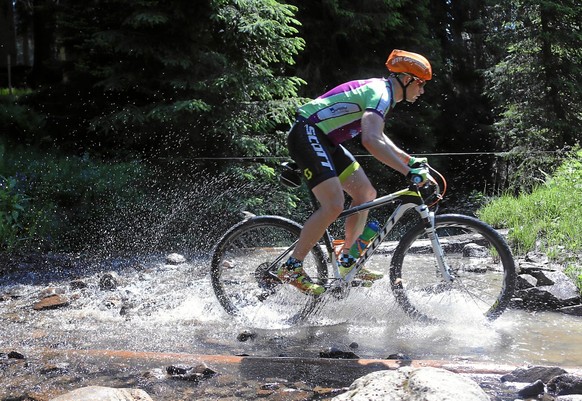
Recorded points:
293,263
347,260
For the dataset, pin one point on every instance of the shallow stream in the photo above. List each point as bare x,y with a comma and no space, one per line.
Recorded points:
161,307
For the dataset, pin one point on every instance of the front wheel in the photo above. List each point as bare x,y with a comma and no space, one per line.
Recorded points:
243,271
477,257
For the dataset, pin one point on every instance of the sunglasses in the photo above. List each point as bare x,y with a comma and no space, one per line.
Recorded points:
420,82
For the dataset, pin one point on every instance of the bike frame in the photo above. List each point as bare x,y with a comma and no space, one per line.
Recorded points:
411,199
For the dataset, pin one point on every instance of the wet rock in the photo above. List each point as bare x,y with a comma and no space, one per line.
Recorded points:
336,353
246,335
537,258
524,281
568,398
405,384
354,345
12,355
575,310
565,384
530,375
175,259
55,369
544,289
532,390
190,373
97,393
47,292
399,356
328,391
16,355
51,302
270,386
109,281
154,375
475,251
78,284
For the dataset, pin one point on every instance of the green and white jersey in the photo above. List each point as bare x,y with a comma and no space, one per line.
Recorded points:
338,112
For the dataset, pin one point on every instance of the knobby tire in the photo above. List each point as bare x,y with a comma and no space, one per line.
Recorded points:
481,261
239,273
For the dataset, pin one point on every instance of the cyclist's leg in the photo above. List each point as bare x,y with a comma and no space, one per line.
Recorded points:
355,182
358,186
312,150
315,155
331,199
360,189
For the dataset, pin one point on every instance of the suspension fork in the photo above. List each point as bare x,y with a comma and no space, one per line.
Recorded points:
429,218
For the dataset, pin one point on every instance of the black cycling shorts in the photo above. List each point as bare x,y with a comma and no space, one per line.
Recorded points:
317,157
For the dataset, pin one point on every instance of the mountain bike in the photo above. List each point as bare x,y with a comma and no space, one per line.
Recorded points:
441,266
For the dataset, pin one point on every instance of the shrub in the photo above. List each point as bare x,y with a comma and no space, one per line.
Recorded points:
549,218
52,201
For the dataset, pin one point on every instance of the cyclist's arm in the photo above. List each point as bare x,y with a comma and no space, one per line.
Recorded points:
380,146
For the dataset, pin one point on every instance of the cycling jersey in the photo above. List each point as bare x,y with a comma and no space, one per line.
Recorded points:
338,113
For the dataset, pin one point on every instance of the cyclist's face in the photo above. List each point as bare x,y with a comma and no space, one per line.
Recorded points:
414,89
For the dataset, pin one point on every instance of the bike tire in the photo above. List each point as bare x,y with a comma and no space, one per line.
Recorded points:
477,254
240,281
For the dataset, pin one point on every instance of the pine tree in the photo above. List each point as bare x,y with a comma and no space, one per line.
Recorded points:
536,81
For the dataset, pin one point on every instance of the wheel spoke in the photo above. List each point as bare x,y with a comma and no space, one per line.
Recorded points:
244,265
478,258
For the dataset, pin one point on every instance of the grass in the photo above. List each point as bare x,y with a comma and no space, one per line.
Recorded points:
549,219
15,91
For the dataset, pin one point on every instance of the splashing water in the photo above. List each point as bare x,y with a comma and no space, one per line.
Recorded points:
162,307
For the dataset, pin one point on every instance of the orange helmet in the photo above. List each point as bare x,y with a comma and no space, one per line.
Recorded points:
410,63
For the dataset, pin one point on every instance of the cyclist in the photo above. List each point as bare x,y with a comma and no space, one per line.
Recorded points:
314,141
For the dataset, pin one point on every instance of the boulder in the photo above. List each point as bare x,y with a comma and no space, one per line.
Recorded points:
413,384
532,374
552,290
565,384
97,393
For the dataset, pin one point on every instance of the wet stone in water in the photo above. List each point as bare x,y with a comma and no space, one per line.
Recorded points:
532,390
175,259
51,302
246,335
109,281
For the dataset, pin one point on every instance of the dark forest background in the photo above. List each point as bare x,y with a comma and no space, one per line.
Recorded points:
127,122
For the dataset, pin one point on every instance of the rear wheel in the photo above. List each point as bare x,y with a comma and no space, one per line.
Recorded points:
478,257
243,271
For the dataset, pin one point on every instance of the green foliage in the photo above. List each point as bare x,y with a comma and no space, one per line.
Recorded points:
548,219
16,119
536,80
12,204
50,201
575,273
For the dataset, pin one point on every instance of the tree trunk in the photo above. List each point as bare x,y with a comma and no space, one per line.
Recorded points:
7,38
43,20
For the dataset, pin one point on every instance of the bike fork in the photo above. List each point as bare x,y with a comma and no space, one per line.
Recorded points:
435,243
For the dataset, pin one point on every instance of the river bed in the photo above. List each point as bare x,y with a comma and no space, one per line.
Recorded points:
170,308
